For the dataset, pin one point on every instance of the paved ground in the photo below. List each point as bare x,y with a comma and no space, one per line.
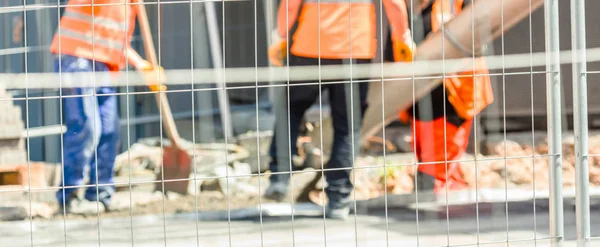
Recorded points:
370,227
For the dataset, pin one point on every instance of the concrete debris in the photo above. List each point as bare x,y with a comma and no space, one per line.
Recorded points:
25,210
138,158
235,180
12,145
524,170
40,210
222,178
209,161
25,175
395,177
226,182
258,157
12,213
242,169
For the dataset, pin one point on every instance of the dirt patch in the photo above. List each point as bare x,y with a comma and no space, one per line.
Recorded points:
511,163
204,202
211,199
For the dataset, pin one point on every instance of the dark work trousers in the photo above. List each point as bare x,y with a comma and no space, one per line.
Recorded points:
346,125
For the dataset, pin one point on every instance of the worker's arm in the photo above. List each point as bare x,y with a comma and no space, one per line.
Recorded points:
402,42
153,75
398,11
287,16
136,60
133,58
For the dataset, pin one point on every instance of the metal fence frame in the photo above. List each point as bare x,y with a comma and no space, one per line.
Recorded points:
554,121
580,119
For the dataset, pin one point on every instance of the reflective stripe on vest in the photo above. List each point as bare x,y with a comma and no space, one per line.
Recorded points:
98,21
99,32
91,39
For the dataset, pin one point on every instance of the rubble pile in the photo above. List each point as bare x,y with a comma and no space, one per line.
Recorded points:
216,165
506,164
12,145
372,180
15,168
522,170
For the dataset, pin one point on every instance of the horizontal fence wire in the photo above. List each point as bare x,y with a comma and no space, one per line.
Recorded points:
391,71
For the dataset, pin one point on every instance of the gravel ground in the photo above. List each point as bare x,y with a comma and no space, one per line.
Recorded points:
520,172
149,203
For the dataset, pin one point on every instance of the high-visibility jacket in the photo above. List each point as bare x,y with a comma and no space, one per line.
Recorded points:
100,31
338,29
472,92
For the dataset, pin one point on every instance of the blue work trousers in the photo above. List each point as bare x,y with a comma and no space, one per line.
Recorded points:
92,136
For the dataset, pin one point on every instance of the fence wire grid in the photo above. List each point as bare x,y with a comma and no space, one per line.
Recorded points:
528,165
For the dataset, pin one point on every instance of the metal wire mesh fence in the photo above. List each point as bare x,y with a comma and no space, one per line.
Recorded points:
298,123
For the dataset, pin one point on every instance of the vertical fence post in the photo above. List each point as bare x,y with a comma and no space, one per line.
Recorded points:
580,118
217,58
553,99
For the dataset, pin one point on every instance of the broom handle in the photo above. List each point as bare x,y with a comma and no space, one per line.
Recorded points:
161,97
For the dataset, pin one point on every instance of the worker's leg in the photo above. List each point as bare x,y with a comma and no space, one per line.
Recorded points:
82,122
101,168
440,141
299,99
346,115
437,128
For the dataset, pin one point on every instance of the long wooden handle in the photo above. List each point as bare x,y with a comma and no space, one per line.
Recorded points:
161,97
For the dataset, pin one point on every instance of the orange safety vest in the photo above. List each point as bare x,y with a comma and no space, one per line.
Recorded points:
338,29
99,30
470,94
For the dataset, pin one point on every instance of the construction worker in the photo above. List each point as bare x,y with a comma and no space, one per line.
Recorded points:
442,120
94,38
336,32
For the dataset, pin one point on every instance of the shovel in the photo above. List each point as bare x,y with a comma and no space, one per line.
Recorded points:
176,159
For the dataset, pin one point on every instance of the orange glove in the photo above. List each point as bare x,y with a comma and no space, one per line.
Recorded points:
403,51
154,75
278,52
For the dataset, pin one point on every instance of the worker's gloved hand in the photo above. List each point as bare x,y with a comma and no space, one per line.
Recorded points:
154,75
403,51
278,52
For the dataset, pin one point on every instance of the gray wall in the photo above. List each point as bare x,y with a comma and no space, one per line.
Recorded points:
184,49
518,87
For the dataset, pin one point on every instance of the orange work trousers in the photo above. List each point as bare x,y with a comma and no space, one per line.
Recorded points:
441,143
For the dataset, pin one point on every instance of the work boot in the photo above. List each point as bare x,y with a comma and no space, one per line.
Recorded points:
338,206
337,213
425,182
83,207
452,184
276,192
